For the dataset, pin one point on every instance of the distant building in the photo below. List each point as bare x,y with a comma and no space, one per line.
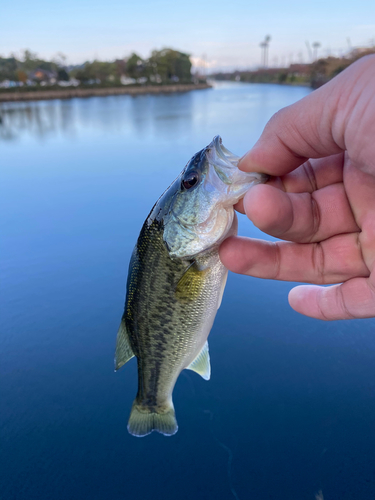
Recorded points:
155,78
125,80
73,82
43,76
7,84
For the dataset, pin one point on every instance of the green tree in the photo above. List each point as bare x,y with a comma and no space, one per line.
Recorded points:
135,66
171,65
30,61
96,70
8,68
62,75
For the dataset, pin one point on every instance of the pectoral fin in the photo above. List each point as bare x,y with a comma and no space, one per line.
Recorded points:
201,363
124,351
191,282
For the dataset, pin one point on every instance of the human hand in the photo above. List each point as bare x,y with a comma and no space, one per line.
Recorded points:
321,200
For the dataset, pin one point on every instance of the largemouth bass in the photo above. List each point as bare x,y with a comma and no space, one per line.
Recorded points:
176,282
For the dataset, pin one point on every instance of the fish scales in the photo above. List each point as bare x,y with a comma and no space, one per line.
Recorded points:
163,331
176,281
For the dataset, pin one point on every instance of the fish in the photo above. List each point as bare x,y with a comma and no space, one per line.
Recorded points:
176,282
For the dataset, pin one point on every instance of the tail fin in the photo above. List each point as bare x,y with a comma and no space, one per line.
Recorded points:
142,421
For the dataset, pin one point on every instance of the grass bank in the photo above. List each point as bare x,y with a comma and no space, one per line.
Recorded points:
69,93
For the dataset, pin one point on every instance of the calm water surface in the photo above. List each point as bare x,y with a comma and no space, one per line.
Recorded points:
290,408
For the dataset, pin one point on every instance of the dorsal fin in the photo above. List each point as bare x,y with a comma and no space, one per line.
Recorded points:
201,363
124,351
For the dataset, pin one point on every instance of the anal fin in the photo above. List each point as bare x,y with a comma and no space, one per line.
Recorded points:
201,363
124,351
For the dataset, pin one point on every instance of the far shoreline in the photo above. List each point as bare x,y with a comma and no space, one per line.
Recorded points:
41,95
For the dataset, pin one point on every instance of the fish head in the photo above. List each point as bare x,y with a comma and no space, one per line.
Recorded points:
198,207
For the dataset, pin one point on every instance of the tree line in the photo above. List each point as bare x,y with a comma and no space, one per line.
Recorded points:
162,67
314,74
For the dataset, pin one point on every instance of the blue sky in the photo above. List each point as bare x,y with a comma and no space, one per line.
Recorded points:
227,32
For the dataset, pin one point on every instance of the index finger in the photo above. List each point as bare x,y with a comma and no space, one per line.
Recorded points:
308,177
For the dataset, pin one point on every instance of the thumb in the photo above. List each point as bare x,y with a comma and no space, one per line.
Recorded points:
313,127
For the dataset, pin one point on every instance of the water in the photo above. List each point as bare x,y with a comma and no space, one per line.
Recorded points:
290,407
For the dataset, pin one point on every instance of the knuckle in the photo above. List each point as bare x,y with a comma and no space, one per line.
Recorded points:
310,175
277,261
342,305
318,263
315,217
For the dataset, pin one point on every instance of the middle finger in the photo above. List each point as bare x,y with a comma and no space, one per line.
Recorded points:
300,217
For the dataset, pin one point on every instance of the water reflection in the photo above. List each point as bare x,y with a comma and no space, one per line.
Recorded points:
142,114
16,119
167,117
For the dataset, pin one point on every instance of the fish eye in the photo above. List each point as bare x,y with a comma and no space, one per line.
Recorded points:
190,180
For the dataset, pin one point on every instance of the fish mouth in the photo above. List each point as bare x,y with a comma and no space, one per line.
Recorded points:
223,152
220,158
225,164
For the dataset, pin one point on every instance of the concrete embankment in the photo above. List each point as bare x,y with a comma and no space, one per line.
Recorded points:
37,95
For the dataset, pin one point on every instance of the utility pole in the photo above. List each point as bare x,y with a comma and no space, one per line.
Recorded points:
262,54
264,51
309,51
316,46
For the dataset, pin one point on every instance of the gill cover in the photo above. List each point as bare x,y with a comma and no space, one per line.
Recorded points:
197,209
